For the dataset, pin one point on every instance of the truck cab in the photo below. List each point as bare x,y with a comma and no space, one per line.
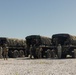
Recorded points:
62,39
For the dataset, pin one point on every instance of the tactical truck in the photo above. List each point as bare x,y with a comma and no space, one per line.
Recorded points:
38,42
67,44
16,47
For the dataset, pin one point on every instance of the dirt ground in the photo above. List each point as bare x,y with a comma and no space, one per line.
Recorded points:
26,66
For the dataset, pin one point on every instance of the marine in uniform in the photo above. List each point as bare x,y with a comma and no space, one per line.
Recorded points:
1,52
31,53
5,51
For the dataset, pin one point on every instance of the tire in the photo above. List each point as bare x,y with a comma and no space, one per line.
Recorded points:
15,54
53,55
74,53
10,54
21,53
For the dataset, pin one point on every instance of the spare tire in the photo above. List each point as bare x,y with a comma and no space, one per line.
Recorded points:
59,51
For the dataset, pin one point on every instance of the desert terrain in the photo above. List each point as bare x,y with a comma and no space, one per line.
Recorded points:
26,66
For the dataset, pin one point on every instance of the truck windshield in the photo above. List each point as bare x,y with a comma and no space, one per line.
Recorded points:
60,39
2,41
33,40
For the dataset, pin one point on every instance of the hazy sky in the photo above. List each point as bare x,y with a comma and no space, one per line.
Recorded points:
20,18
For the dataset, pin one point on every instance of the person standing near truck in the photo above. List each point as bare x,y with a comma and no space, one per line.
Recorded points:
40,52
31,51
1,51
5,51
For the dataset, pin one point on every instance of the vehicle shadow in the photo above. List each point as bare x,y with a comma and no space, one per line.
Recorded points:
27,58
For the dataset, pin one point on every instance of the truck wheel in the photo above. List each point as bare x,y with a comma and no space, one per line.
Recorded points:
53,55
10,54
74,53
15,54
21,53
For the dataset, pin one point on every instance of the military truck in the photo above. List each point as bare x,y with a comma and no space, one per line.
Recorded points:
38,42
16,47
67,44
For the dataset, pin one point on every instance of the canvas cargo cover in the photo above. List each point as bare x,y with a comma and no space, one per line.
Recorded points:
71,38
41,40
12,41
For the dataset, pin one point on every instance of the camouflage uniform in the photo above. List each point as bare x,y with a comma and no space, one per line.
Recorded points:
31,53
48,53
1,52
39,52
5,52
34,52
37,49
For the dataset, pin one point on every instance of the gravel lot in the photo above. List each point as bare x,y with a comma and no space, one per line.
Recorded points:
25,66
